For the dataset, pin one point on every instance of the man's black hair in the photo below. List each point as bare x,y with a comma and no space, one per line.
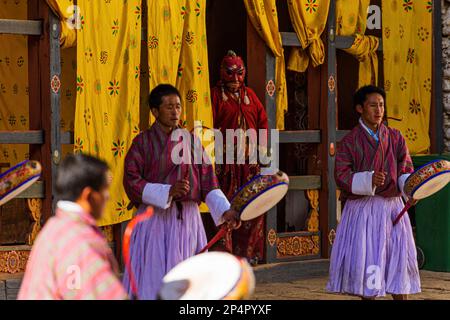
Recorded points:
361,94
77,172
160,91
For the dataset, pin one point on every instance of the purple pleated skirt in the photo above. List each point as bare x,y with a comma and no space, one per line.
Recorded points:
160,243
371,257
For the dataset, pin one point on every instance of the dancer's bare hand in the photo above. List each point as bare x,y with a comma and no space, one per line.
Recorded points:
231,218
378,178
180,189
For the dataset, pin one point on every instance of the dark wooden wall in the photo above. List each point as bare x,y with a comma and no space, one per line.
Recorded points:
226,25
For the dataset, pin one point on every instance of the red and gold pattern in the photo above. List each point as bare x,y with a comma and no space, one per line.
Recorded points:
298,246
431,177
16,179
256,187
13,261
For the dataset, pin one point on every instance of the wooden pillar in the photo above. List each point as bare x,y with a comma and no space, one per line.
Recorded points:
328,124
40,99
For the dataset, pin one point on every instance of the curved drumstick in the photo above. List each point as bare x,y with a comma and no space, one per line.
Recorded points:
223,230
409,204
126,245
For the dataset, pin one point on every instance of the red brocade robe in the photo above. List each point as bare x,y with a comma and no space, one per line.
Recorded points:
248,240
359,152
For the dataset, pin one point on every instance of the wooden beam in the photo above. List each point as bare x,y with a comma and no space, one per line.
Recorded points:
67,137
436,114
40,98
327,219
345,42
36,191
26,27
22,137
341,134
304,182
304,136
290,39
54,27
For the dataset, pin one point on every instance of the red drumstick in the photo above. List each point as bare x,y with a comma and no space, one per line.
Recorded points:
409,204
223,230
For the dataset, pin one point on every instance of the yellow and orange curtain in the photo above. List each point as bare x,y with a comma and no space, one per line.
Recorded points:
351,20
264,18
178,54
407,49
309,18
66,11
107,84
14,103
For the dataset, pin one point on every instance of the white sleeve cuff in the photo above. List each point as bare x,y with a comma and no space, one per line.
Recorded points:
401,184
362,183
217,203
157,194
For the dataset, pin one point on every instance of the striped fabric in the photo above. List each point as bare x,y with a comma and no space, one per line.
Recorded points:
149,161
359,152
71,260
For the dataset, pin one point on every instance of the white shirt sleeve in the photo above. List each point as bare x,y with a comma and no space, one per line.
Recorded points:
157,194
217,203
401,184
362,183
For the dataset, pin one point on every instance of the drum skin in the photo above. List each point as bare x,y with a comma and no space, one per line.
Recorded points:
18,178
428,179
209,276
260,194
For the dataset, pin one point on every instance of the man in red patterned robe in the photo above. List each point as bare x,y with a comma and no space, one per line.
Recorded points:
236,106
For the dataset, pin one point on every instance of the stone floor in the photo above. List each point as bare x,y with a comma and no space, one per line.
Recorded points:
307,281
303,280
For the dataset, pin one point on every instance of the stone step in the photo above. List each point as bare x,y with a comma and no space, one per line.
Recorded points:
291,271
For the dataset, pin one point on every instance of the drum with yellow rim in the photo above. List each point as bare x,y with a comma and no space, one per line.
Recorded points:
260,194
209,276
17,179
428,179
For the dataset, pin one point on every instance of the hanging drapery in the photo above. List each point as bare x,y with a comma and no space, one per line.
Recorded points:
14,104
352,21
263,16
66,12
309,18
68,93
107,107
364,48
407,49
177,50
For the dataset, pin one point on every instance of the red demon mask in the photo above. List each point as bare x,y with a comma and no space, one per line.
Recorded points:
232,69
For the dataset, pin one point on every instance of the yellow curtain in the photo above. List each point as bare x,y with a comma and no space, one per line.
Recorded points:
65,10
264,17
364,48
107,106
193,70
309,18
165,38
177,50
14,103
177,54
68,93
407,50
351,20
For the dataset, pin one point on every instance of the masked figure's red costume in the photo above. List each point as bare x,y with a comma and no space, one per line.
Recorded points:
237,106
